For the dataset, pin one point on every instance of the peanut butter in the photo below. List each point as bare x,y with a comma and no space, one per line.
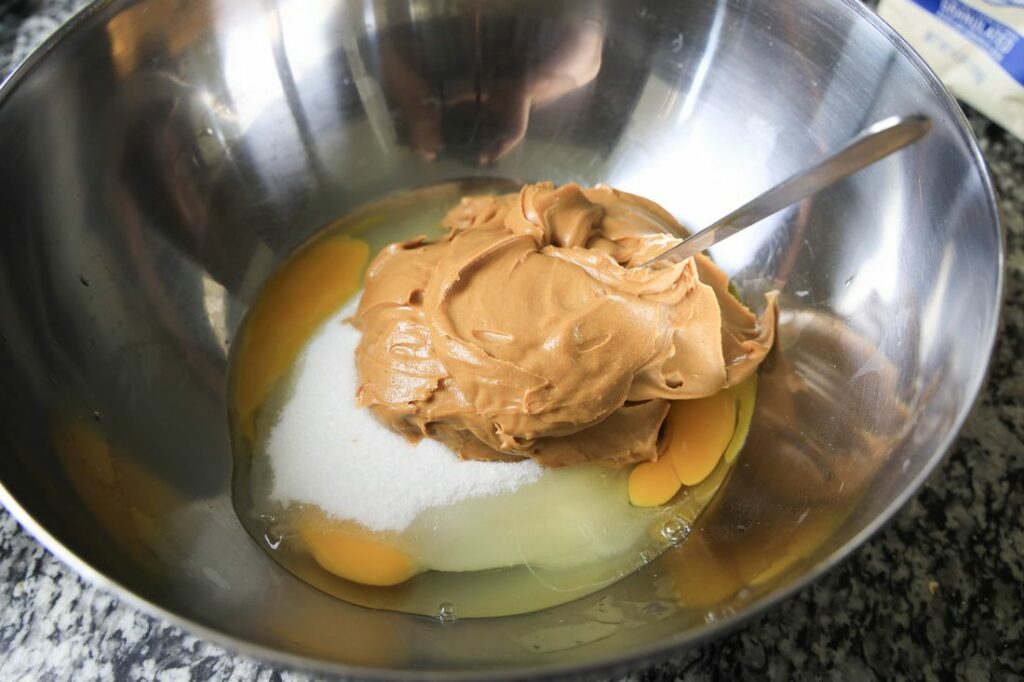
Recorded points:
529,331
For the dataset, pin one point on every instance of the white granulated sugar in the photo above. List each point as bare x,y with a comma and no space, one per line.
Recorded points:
328,451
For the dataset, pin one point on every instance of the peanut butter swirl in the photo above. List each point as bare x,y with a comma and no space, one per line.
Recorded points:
527,330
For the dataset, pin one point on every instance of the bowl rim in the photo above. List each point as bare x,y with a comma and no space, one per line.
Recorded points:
658,651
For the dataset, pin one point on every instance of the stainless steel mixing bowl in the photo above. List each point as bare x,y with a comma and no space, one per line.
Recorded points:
159,158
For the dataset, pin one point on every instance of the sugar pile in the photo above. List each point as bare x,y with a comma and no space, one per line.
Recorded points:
328,451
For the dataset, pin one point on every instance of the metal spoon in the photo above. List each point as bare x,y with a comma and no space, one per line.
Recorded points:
874,143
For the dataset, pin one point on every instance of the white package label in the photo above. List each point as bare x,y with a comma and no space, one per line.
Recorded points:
975,46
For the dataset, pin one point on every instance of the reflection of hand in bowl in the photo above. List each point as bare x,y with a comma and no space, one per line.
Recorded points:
279,118
436,97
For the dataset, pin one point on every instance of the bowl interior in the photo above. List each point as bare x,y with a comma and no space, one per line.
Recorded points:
162,158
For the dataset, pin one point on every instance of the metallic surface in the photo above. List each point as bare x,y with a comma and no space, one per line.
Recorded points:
874,143
160,158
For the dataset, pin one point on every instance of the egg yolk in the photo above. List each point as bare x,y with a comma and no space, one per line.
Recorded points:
700,431
652,484
307,290
354,553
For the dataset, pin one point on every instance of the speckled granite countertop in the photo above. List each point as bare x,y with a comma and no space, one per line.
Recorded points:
939,594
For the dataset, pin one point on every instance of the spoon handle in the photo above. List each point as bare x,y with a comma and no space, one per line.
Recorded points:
873,143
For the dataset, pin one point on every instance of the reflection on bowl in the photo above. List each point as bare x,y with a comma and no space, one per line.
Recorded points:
161,160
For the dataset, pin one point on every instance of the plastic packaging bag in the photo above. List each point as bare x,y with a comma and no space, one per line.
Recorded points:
975,46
